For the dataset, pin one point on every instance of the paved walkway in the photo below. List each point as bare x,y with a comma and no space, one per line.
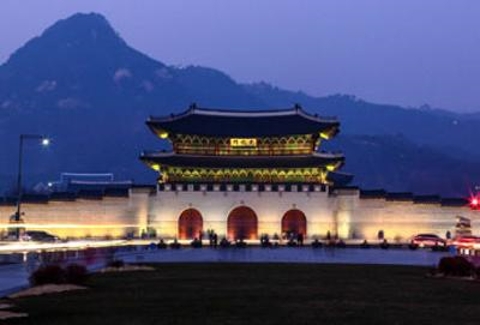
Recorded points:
13,278
287,255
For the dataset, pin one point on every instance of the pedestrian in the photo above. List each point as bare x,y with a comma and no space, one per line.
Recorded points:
215,240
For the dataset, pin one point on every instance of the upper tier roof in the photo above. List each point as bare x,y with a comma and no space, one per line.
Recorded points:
229,123
299,161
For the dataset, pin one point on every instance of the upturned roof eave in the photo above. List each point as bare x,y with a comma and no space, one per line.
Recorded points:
242,114
248,162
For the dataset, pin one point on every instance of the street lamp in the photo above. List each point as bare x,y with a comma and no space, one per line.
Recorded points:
44,142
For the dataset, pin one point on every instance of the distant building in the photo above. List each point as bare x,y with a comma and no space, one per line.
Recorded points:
74,182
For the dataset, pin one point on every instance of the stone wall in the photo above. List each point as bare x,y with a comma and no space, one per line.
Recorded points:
341,212
400,220
106,217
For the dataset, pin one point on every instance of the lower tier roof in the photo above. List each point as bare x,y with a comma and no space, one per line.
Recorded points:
194,161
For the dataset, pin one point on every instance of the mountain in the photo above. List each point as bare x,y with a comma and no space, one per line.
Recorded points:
83,85
450,133
397,164
82,63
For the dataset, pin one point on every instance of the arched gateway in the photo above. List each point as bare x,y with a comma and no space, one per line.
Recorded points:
294,222
242,223
190,224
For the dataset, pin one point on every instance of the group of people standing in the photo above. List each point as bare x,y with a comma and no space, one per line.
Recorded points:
212,237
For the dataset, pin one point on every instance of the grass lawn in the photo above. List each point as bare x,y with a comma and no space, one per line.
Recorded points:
261,294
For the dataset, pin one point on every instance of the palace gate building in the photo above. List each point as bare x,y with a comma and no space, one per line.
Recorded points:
243,174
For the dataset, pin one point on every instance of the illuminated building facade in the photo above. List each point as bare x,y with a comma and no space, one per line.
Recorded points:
243,174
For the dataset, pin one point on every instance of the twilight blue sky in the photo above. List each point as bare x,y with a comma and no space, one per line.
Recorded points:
408,52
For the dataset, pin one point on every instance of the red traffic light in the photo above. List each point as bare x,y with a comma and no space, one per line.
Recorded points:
474,202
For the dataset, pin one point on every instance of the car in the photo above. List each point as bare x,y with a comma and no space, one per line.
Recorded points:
428,240
466,240
41,236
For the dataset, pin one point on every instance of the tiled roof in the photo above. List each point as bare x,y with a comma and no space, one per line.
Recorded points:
298,161
223,123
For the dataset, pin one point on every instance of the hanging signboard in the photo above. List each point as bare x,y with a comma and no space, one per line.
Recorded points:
243,142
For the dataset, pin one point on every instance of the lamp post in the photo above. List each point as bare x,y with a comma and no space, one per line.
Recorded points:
45,142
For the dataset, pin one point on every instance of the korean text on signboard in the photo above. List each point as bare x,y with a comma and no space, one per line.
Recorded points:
243,142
